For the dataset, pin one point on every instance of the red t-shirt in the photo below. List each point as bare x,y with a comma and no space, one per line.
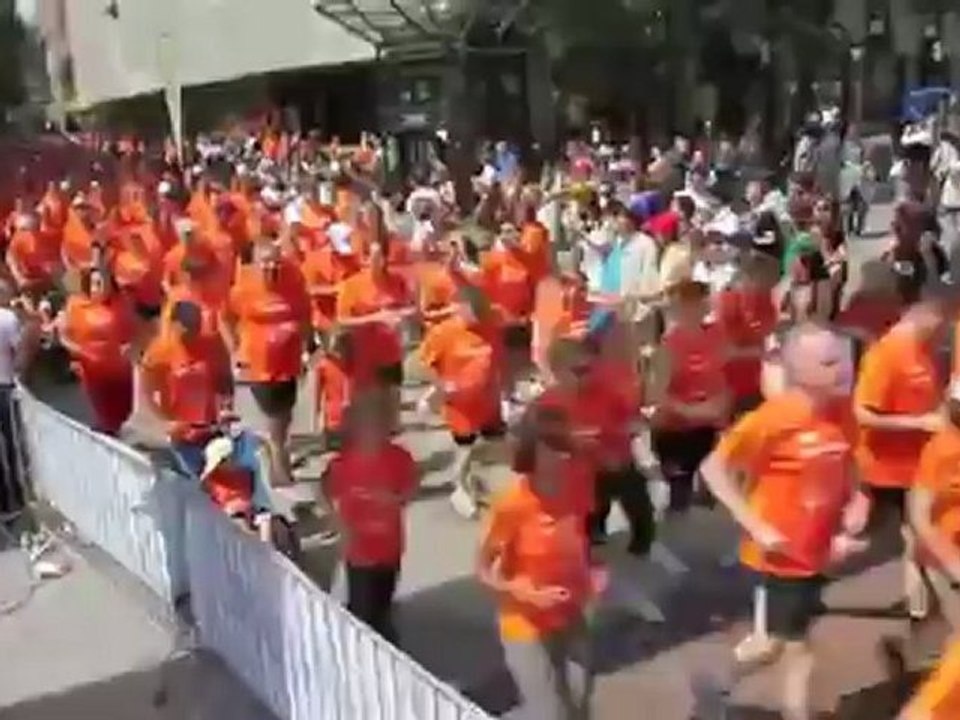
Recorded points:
367,491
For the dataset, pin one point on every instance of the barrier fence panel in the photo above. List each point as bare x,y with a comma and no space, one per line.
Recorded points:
302,653
111,493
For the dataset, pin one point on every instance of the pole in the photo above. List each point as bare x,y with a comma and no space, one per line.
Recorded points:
172,89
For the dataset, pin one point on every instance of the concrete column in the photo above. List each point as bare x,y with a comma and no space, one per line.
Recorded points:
542,109
951,45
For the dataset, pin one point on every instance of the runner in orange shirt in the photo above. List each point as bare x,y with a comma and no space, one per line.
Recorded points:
138,266
510,287
188,384
534,238
333,387
462,355
268,318
696,401
534,556
796,452
76,251
191,245
370,483
627,469
33,260
562,308
747,315
935,511
97,327
372,305
898,402
325,266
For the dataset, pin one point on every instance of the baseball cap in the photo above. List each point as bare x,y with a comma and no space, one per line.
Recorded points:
215,454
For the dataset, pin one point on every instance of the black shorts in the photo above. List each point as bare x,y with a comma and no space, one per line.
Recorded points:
517,337
887,502
747,404
793,604
491,432
391,375
148,312
275,398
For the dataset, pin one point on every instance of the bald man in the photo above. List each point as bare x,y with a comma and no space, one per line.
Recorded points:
796,508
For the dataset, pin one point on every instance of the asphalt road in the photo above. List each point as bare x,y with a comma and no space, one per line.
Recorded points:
446,619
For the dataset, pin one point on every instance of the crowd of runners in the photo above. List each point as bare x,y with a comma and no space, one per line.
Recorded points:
659,334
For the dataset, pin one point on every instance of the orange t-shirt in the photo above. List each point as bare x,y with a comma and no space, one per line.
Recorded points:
190,380
939,473
465,359
561,309
53,211
37,258
798,464
542,539
323,271
140,270
897,377
939,696
271,319
317,216
101,329
201,210
358,482
437,291
697,368
535,243
508,284
747,317
77,247
378,345
333,390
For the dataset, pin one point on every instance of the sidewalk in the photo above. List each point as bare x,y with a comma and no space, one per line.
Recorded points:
88,646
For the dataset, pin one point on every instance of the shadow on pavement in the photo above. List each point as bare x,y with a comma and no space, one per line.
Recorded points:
197,687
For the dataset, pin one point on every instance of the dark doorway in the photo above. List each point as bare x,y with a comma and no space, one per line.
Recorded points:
339,103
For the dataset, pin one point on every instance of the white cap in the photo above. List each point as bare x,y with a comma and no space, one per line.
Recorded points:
164,188
271,196
917,135
339,234
184,226
766,239
292,214
79,200
725,223
25,221
215,454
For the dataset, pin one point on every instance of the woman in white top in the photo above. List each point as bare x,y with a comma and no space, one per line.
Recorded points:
947,169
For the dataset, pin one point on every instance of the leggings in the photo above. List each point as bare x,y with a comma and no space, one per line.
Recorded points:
370,593
681,453
628,486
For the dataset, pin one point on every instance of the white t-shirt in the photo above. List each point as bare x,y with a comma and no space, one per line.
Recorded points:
10,332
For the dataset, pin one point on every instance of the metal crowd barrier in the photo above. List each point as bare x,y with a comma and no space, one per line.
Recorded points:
298,649
302,654
113,495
